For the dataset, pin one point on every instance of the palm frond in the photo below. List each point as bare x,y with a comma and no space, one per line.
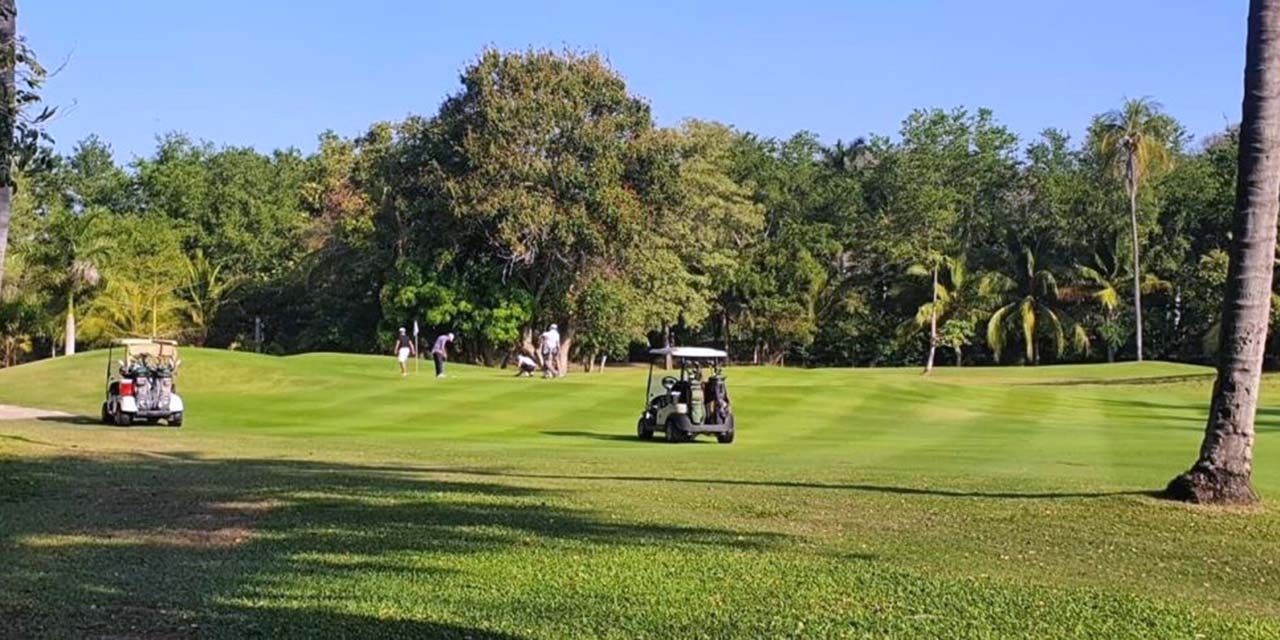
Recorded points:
1027,311
1080,339
1055,330
996,330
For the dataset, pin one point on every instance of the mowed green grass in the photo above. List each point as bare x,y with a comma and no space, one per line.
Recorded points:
324,496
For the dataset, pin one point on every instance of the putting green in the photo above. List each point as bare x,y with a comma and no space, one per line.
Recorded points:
324,495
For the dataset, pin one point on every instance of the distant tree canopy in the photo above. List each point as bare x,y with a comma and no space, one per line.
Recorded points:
542,191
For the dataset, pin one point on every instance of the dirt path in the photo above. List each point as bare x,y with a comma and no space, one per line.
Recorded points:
12,412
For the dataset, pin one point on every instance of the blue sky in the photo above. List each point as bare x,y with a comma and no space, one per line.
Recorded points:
275,73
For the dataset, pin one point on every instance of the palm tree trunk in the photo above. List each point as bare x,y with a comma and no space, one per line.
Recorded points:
1222,474
1111,348
933,325
1131,184
6,194
666,344
8,117
70,329
724,316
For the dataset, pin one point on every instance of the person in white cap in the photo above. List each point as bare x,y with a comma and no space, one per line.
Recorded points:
403,349
525,366
550,352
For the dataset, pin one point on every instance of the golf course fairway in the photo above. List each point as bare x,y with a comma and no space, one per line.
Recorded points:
324,496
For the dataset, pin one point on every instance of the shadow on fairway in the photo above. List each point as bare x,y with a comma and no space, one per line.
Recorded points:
1121,382
77,420
148,546
783,484
1186,416
611,437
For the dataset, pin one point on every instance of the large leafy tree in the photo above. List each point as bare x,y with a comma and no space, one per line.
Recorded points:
940,188
1222,472
1135,141
554,167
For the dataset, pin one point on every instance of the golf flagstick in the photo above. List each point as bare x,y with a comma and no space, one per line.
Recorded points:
417,350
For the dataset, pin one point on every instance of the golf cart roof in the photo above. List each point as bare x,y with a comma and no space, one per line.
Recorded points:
689,352
143,341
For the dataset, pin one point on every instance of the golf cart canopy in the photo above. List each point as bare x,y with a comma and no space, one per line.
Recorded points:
144,341
689,352
154,348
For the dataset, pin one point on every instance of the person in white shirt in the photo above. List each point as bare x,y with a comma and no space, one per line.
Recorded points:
550,352
525,366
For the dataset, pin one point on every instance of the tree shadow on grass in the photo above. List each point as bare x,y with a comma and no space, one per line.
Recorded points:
176,546
784,484
1122,382
1189,416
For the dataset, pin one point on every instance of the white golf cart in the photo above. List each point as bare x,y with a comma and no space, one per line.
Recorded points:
142,385
691,403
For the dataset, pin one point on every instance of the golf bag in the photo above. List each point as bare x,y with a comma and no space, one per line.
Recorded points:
718,395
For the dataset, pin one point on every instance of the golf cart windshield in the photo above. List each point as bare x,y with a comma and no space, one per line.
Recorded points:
692,364
147,353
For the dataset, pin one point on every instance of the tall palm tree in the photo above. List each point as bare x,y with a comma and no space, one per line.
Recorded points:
959,301
1223,472
1035,314
1135,141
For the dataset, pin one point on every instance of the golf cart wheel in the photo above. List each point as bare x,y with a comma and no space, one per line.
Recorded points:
727,436
676,429
123,419
175,420
643,430
106,415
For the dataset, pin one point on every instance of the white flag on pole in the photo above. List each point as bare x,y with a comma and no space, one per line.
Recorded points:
417,349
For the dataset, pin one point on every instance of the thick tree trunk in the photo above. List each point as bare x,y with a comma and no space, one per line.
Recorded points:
1131,183
959,356
933,326
566,345
69,330
1222,474
8,117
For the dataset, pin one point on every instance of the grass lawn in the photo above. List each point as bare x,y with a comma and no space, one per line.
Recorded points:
324,496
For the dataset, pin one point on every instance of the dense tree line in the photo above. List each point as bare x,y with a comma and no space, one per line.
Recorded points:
542,191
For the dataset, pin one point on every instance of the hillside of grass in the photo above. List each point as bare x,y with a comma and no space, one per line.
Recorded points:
324,495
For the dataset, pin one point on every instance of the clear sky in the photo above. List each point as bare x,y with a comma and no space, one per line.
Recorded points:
273,73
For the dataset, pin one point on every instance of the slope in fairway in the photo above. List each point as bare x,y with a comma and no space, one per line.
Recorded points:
323,495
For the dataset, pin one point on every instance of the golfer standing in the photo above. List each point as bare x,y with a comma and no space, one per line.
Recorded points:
404,348
440,352
550,352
